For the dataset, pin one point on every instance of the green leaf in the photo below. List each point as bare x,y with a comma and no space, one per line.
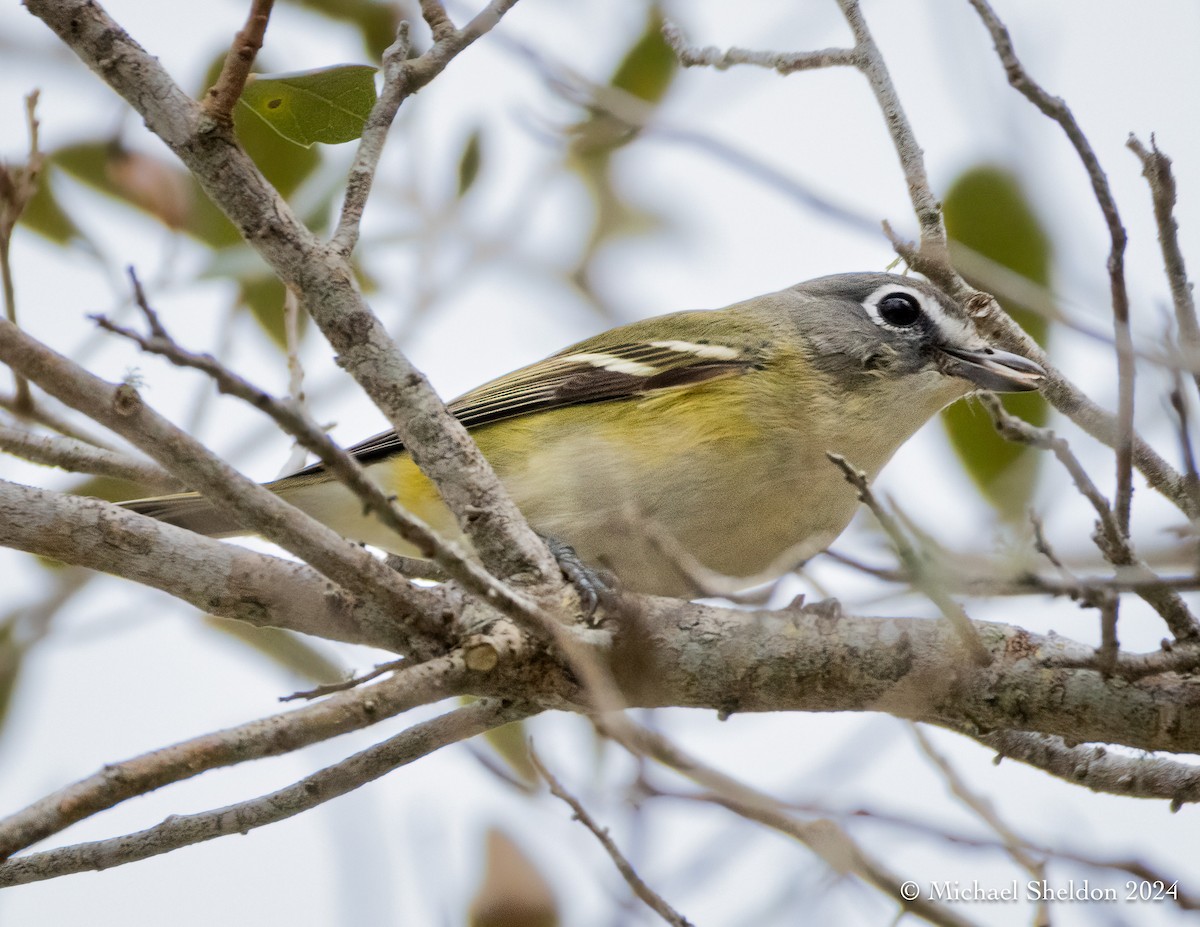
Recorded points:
468,164
264,296
327,105
44,215
511,742
377,21
646,71
987,210
648,67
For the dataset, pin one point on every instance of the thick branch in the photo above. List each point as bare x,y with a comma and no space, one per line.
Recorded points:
679,654
221,579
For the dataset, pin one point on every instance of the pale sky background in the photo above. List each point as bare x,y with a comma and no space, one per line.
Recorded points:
127,670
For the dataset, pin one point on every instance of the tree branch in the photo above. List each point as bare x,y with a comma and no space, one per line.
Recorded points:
186,830
649,896
689,655
222,96
82,457
121,409
221,579
1156,168
1111,539
1057,110
422,684
292,419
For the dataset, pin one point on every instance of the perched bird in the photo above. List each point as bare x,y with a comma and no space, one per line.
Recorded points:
690,442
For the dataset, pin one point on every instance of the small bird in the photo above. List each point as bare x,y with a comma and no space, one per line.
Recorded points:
694,442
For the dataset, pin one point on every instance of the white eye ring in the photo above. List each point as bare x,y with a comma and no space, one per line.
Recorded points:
922,303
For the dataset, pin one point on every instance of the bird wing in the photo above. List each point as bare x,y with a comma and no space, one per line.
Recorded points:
585,373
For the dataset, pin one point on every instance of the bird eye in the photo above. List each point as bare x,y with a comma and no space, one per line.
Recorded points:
899,309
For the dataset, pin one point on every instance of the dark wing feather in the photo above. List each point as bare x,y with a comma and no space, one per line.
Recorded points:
577,376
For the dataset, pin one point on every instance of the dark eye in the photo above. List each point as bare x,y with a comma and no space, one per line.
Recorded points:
899,309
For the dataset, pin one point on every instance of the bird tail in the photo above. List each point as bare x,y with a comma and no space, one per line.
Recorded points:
188,510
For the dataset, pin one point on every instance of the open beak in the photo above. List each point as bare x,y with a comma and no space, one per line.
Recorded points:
991,369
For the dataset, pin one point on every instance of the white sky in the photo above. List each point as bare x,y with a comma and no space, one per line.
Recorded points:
127,670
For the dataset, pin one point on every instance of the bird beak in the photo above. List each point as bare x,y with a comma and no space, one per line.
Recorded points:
990,369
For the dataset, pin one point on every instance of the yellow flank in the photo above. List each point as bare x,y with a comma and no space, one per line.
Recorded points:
645,433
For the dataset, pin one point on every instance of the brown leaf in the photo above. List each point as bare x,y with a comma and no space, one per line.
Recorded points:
513,893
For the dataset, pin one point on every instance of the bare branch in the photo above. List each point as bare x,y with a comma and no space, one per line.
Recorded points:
422,684
1056,109
783,62
983,809
17,187
122,409
186,830
921,578
403,77
1156,167
824,838
221,579
223,96
1113,542
691,655
652,899
912,159
292,418
81,457
1095,768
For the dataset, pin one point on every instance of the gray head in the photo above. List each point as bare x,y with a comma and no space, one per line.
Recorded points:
884,327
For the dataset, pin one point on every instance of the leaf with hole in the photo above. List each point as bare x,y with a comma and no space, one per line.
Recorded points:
326,105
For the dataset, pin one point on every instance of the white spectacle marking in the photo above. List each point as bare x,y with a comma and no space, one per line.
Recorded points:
955,331
615,364
711,351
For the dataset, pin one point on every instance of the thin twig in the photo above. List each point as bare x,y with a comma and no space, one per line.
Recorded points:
223,95
17,187
1109,538
1056,109
1015,845
292,418
272,736
1181,407
825,838
912,160
240,818
403,76
783,62
652,899
933,588
1156,168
